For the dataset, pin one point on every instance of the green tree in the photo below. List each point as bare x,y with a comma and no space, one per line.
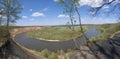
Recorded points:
44,53
70,7
68,25
11,10
76,4
0,21
53,55
2,13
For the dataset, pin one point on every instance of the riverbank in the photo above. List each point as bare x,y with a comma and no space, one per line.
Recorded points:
103,49
108,30
36,44
57,33
13,50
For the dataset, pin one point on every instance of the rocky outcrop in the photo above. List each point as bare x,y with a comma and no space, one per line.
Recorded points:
105,49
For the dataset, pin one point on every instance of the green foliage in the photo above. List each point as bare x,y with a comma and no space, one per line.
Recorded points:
3,32
44,53
101,29
10,9
107,30
92,39
56,33
69,50
53,55
65,57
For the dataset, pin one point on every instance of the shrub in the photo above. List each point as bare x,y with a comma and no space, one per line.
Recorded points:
44,53
3,32
53,56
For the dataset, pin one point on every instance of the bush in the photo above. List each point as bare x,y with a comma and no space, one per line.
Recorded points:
93,39
53,56
65,57
44,53
3,32
107,30
69,50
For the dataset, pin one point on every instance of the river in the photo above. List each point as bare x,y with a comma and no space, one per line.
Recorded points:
36,44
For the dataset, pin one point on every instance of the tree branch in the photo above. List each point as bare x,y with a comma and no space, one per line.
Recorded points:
98,8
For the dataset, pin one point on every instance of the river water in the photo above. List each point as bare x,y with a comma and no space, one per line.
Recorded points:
36,44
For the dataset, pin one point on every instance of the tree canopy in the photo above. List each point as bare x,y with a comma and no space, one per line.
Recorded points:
10,9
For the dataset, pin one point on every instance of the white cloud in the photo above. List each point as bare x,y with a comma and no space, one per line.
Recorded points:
117,1
31,10
24,17
63,16
55,0
92,13
37,14
97,20
106,8
0,16
1,10
45,9
110,0
92,3
3,16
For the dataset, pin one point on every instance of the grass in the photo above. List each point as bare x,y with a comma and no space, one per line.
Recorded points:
107,30
54,55
56,33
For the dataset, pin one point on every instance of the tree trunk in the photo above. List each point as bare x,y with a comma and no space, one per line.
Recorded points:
76,44
80,23
8,20
0,21
71,19
72,32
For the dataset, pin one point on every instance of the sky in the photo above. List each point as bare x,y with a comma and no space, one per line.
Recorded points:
48,12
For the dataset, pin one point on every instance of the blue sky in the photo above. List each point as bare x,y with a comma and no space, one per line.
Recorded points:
48,12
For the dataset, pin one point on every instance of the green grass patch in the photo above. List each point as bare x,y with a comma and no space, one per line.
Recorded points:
56,33
107,30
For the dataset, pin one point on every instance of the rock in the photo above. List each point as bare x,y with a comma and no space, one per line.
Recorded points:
105,49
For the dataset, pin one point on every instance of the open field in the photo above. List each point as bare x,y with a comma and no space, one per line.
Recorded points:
56,33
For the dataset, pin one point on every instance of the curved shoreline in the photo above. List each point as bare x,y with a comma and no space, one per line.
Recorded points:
21,51
36,44
58,40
